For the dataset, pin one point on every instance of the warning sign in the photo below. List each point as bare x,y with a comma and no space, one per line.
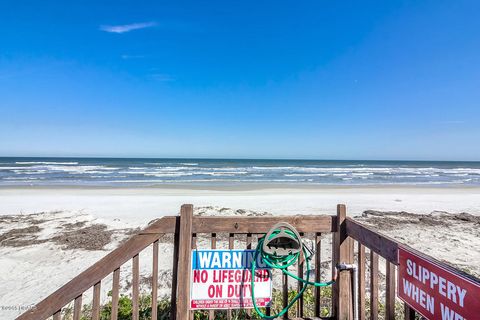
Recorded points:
434,291
221,279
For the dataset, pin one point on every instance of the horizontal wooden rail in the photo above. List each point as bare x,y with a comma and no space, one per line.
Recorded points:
218,224
381,244
88,278
302,223
163,225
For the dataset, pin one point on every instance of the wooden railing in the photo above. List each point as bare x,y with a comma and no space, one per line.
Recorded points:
246,227
370,248
185,228
381,246
378,245
92,277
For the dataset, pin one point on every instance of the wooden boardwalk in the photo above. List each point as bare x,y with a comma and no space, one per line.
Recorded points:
352,242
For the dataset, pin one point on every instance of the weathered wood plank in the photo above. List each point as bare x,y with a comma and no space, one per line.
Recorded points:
166,224
135,287
373,285
231,245
236,224
303,223
383,245
335,262
57,315
361,281
193,247
409,312
96,301
115,293
345,255
213,245
176,246
248,244
98,271
300,265
155,280
268,310
285,294
318,264
390,292
183,299
77,308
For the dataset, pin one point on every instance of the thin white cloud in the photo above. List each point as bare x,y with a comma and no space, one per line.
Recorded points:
128,27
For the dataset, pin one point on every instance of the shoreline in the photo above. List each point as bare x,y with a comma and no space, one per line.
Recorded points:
249,187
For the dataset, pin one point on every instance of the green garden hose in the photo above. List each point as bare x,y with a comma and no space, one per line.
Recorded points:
282,262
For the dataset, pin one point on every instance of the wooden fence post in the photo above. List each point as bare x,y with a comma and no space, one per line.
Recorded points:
361,281
176,245
344,254
184,257
409,312
390,292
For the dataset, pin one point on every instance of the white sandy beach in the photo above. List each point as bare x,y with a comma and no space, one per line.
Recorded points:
140,205
30,272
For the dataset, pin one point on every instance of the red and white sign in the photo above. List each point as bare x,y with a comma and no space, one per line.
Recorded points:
221,279
434,291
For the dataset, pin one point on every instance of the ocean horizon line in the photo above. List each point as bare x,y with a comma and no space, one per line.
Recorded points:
238,159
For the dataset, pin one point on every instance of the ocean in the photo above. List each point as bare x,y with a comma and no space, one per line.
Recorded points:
149,172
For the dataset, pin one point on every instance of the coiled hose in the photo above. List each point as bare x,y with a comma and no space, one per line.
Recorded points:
282,263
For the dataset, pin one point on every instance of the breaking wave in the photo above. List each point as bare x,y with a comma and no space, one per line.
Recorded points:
168,171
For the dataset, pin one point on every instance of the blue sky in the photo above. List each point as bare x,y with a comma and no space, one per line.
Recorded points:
248,79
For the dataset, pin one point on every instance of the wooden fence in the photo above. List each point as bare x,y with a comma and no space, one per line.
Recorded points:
350,242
